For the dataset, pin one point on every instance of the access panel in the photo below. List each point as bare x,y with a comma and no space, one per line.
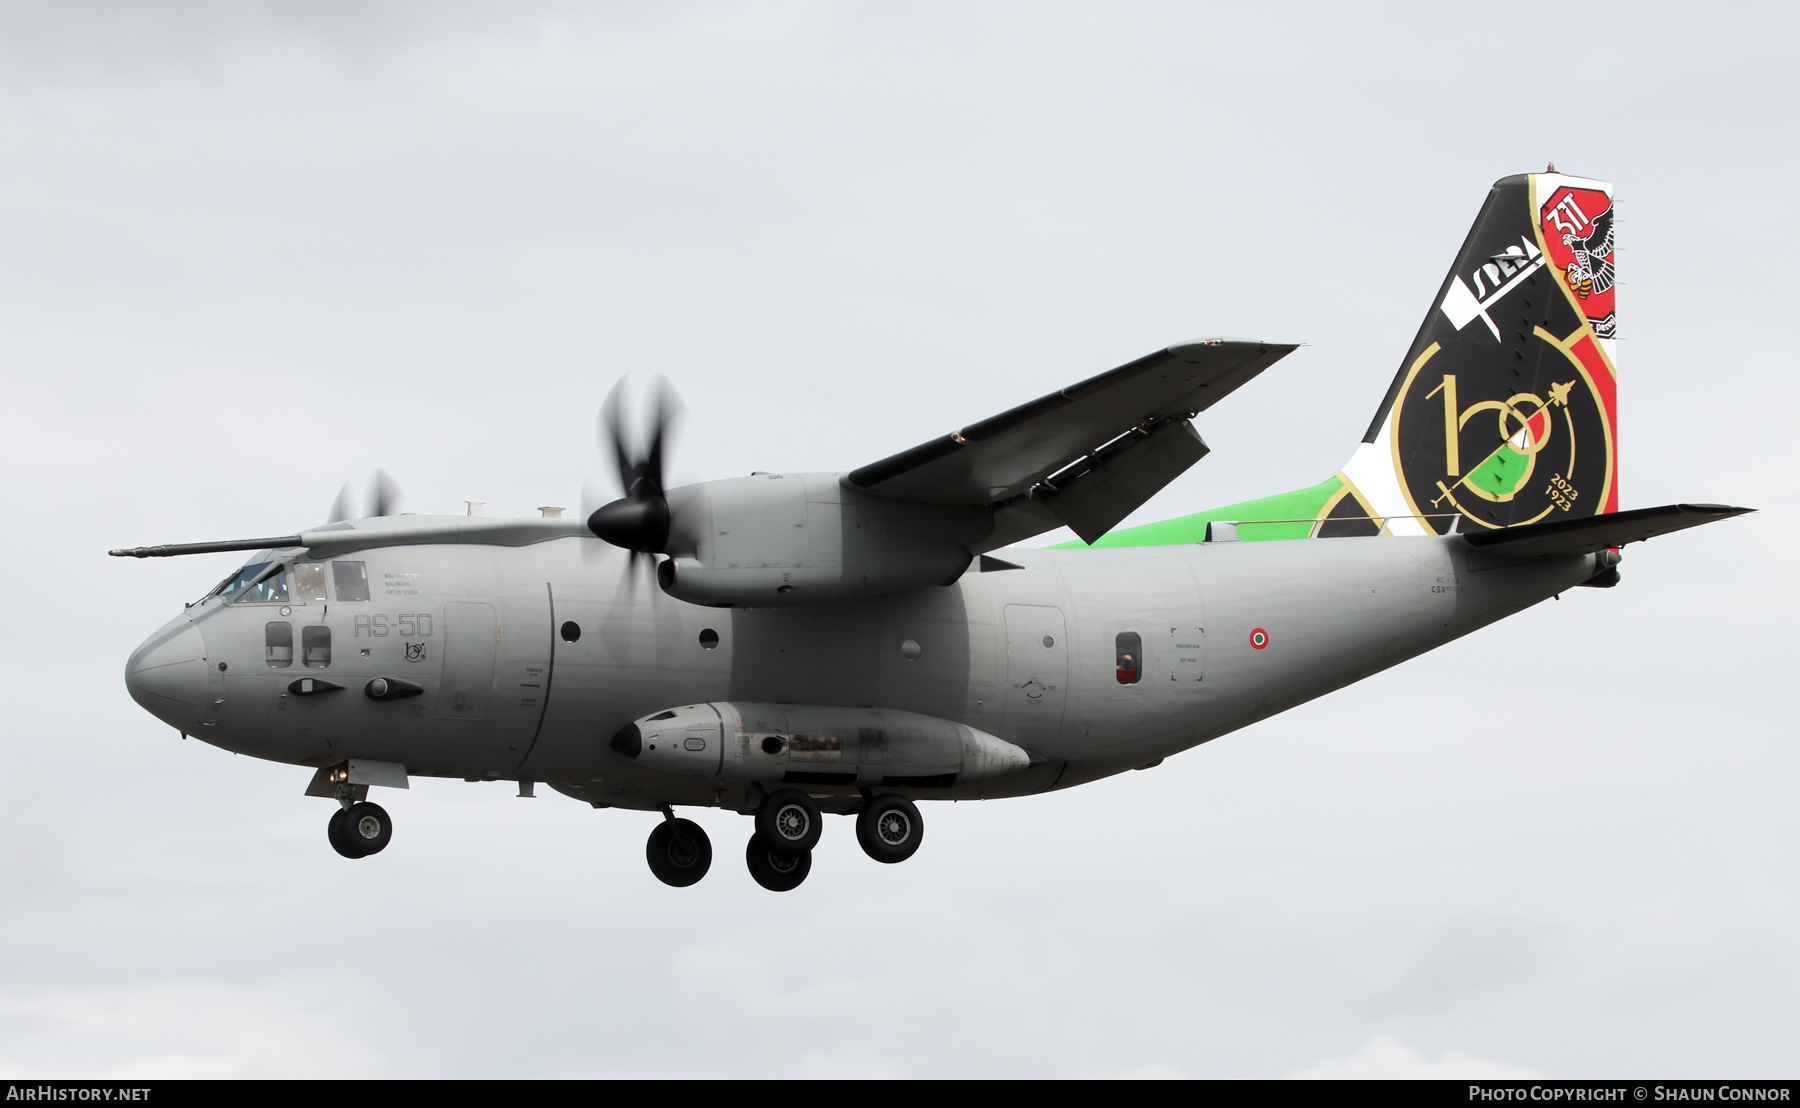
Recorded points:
1037,673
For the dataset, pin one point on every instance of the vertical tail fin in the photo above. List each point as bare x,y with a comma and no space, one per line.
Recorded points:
1504,411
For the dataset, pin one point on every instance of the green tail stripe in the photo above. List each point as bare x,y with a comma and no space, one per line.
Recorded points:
1303,505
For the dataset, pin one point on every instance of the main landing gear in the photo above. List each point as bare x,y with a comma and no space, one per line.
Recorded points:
788,822
775,871
889,828
779,854
359,830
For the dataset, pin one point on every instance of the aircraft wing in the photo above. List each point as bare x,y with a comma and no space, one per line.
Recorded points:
1591,534
1005,455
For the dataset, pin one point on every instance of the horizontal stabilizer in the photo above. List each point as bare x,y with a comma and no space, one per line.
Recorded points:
1569,537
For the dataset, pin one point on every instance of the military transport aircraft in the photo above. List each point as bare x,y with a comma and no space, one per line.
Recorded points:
854,643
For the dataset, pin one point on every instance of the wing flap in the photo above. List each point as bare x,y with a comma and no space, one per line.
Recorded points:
1115,483
1005,455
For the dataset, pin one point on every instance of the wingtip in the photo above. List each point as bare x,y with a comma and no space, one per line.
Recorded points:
1720,510
1229,340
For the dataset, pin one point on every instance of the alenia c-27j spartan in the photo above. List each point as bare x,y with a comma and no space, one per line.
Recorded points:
857,642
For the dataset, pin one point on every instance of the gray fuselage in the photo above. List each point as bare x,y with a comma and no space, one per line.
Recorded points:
531,657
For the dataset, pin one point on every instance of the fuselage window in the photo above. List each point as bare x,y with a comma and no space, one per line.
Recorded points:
315,645
351,579
268,587
1129,657
278,644
309,581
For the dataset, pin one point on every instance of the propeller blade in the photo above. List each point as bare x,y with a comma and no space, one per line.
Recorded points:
384,494
594,496
640,563
668,410
638,521
612,434
340,508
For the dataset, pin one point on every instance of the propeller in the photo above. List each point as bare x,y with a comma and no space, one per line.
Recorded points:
639,520
595,494
384,499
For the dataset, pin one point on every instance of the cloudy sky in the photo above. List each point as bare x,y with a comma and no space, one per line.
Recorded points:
248,250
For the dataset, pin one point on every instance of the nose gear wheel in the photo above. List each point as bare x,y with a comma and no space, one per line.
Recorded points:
360,830
679,852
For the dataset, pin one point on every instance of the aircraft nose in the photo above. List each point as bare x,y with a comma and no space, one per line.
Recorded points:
167,677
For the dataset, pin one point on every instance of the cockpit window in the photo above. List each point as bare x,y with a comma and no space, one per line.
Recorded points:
268,587
309,580
352,580
234,584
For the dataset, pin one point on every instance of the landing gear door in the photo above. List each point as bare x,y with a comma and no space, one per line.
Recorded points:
1037,673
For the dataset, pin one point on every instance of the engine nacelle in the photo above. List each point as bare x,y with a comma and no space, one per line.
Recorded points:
802,744
772,540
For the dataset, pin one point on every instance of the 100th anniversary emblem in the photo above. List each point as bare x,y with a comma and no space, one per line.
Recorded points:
1513,427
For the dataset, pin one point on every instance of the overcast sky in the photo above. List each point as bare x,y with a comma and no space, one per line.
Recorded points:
249,250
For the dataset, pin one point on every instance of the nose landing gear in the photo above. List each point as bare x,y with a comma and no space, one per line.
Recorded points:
360,830
679,852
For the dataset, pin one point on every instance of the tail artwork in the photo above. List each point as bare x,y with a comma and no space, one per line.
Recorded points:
1504,411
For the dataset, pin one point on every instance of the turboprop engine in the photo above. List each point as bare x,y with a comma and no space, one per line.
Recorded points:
803,744
773,539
